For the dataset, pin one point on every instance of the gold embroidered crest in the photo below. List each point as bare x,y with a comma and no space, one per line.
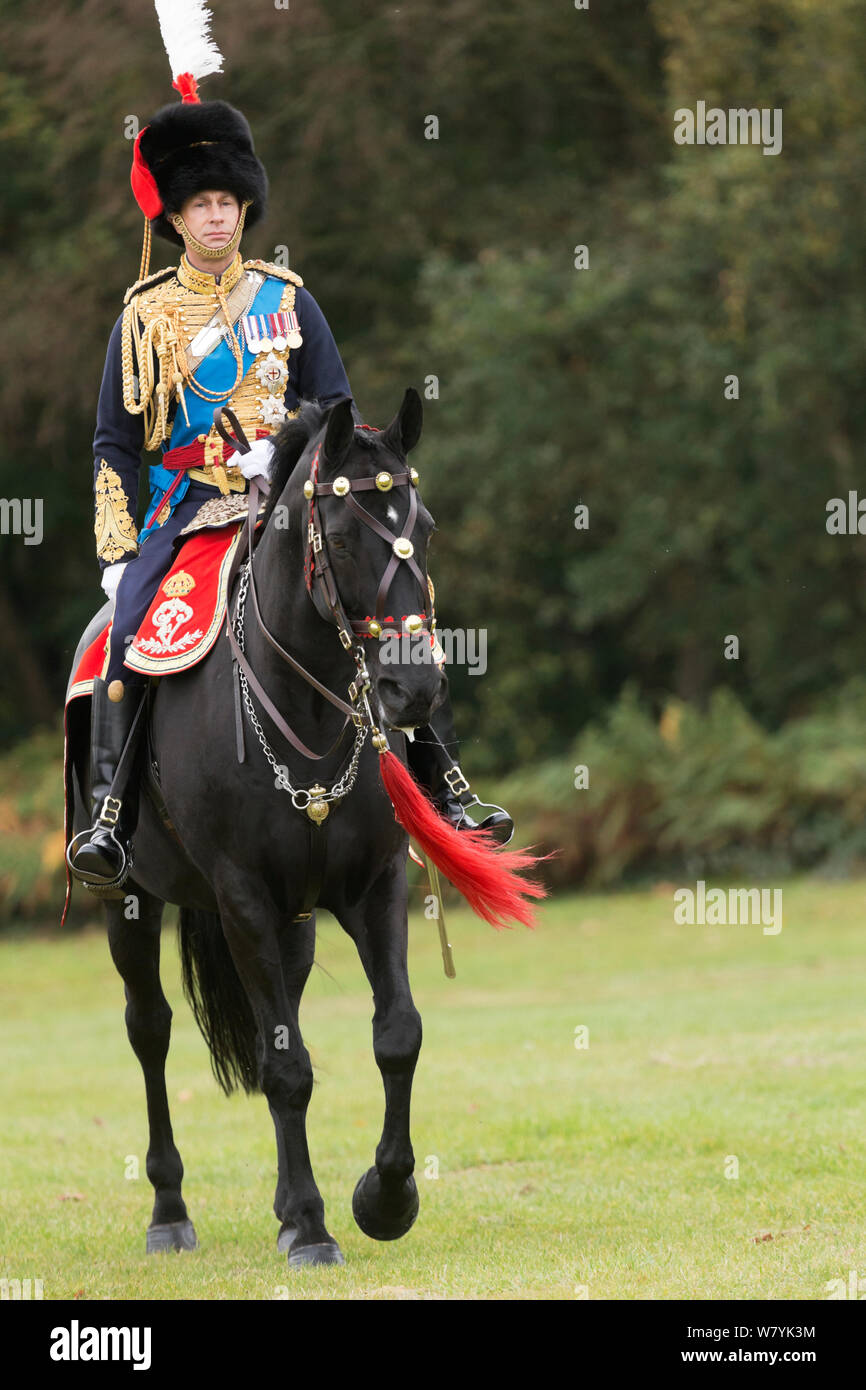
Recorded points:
115,530
179,584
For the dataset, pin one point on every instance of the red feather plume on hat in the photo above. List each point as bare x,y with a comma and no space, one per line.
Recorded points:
185,28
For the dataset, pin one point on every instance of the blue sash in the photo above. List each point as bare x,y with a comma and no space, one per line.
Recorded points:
215,373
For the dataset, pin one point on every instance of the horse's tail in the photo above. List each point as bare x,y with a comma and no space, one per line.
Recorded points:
218,1000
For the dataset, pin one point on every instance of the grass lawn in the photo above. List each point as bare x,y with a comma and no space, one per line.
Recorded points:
601,1172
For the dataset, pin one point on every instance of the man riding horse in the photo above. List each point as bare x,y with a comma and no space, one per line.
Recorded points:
213,330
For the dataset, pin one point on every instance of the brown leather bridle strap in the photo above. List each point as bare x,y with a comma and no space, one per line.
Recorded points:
322,568
395,560
363,485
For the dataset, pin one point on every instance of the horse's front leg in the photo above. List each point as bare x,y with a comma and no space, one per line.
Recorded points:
252,926
385,1202
135,951
297,942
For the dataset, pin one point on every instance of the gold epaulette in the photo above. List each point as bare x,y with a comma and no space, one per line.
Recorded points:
149,280
270,269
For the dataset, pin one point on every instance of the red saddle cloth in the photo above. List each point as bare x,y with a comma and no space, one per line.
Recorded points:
184,619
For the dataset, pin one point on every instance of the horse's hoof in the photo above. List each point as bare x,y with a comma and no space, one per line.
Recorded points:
173,1235
285,1238
326,1254
381,1213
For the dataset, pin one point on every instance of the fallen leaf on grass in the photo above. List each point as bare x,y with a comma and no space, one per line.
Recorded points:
768,1235
185,1095
72,1197
97,1121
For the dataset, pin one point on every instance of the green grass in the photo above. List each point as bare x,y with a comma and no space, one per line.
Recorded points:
560,1169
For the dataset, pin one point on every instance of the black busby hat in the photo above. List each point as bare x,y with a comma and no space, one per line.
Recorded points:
190,146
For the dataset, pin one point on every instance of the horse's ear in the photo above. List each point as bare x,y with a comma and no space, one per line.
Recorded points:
404,430
339,433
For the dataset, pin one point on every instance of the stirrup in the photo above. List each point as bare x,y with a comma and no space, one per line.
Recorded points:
101,887
482,824
458,787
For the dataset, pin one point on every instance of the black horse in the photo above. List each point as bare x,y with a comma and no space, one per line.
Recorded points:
237,844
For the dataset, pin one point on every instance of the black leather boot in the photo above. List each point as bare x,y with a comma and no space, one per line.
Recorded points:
102,856
432,758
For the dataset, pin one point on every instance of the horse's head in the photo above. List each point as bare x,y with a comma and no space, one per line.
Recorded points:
367,532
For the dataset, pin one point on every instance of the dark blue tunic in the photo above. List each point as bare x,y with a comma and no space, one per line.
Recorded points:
316,372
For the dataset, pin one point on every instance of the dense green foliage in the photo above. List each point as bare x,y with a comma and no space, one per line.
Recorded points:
696,793
453,259
450,264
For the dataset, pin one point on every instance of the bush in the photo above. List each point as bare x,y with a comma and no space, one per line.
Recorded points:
700,792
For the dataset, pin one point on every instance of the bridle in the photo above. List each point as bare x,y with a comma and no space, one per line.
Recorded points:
318,571
322,586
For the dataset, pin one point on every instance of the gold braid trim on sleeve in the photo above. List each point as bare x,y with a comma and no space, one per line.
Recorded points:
116,532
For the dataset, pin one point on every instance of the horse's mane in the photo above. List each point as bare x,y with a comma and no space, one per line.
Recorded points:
293,439
289,444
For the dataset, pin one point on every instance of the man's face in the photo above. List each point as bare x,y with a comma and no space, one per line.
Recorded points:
211,217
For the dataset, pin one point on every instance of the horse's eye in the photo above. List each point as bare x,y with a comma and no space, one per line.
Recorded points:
337,542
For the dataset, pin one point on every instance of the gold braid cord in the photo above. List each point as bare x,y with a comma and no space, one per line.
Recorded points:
138,345
159,323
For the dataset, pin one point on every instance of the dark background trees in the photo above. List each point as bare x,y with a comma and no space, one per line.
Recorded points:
453,259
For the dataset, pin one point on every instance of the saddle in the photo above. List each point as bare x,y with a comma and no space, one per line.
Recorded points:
184,619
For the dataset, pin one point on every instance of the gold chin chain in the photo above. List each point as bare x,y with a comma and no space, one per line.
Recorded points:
211,253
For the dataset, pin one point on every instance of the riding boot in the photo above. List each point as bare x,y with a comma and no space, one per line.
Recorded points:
433,760
104,857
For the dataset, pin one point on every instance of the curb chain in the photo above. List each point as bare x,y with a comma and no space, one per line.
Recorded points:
301,798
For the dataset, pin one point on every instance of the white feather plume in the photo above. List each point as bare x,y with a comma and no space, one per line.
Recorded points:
185,26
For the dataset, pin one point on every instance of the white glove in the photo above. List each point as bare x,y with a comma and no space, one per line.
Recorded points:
256,463
111,577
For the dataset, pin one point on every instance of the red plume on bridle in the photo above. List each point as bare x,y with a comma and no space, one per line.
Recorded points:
487,876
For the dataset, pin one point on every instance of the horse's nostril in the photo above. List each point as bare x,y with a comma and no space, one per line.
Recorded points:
403,703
